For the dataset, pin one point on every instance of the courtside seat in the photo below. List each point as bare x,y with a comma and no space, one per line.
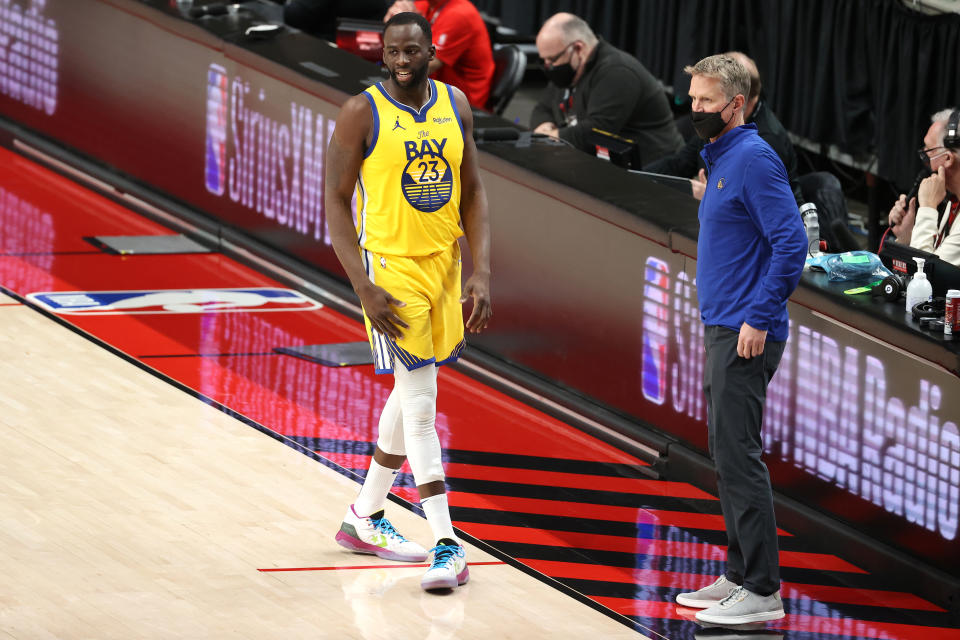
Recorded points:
510,63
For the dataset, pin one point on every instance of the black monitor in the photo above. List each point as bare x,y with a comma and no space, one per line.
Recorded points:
899,258
621,151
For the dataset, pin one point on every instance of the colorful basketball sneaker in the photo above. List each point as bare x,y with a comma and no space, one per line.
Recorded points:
374,534
449,568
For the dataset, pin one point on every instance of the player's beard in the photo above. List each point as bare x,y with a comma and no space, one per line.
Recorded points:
417,76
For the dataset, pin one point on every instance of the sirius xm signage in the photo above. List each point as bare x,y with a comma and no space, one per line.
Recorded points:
831,410
29,50
272,166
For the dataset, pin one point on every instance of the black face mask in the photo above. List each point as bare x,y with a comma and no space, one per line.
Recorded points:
562,74
709,124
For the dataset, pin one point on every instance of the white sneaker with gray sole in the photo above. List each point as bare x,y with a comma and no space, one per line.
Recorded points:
742,607
708,596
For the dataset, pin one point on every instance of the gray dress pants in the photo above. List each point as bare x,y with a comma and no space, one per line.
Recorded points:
736,389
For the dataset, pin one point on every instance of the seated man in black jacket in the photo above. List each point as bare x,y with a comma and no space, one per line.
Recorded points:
687,162
594,85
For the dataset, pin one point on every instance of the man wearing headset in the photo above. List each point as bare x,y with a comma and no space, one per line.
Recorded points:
918,223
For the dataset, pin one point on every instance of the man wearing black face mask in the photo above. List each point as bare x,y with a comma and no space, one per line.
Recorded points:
594,85
751,251
687,163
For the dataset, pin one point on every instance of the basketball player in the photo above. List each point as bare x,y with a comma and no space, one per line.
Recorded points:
406,144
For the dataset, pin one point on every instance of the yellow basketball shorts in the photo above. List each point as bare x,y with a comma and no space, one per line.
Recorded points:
430,287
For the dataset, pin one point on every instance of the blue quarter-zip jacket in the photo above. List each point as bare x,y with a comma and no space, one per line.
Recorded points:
752,244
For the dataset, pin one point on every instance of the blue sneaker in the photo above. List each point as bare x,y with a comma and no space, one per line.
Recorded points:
449,568
374,534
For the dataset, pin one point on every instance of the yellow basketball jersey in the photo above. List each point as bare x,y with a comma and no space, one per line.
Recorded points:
408,191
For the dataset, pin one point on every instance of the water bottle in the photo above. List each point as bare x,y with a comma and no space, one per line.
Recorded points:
811,223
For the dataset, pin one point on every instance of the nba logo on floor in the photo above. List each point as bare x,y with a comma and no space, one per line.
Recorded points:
172,301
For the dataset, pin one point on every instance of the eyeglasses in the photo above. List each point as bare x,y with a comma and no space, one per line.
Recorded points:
929,153
552,60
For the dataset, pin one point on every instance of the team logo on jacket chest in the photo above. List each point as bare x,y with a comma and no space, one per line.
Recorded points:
427,180
721,183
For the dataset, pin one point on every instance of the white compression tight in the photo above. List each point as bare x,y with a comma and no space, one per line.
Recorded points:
408,422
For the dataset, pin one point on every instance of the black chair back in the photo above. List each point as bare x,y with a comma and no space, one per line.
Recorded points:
510,63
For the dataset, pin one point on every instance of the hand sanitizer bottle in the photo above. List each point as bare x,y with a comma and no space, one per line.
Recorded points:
919,289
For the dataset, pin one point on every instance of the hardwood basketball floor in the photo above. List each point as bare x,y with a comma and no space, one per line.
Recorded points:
129,509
